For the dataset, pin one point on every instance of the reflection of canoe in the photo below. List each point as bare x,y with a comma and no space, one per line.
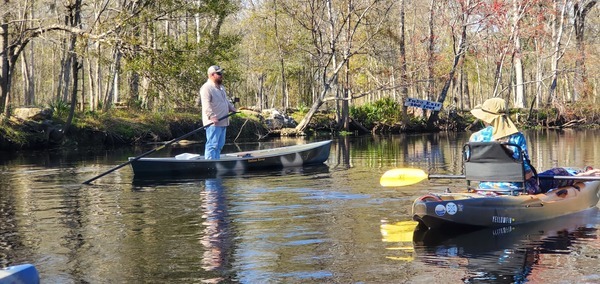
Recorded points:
23,273
474,209
240,162
504,254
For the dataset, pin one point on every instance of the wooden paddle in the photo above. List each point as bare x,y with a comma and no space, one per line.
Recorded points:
409,176
154,150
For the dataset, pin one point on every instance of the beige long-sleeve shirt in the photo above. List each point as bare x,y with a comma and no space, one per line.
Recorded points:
214,103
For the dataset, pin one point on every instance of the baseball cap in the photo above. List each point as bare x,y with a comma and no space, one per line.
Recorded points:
214,69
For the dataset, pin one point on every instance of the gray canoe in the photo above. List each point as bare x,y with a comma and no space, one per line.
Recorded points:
239,162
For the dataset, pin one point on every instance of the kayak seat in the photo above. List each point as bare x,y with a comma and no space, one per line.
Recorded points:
494,162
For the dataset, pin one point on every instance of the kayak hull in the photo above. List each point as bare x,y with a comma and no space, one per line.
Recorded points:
490,210
23,273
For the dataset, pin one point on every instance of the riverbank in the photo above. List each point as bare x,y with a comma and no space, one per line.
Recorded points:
42,130
39,129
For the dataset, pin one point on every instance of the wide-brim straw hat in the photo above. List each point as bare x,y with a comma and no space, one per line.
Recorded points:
493,112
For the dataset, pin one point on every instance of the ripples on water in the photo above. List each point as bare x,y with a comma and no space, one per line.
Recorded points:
331,224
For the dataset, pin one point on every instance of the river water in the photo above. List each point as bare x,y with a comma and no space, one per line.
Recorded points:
328,224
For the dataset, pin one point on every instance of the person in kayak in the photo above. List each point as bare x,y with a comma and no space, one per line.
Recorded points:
499,127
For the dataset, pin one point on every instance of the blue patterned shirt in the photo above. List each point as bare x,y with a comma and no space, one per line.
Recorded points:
485,135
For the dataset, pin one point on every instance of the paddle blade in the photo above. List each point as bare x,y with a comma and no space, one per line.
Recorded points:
402,177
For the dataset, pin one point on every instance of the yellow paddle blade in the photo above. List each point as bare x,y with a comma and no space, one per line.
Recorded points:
402,177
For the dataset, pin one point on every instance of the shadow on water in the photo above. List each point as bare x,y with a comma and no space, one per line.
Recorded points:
508,254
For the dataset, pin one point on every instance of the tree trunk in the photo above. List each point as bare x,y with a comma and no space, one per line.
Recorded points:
7,64
313,109
332,47
27,71
9,53
284,95
580,84
134,81
520,101
75,66
27,82
4,63
65,70
403,67
113,87
344,122
462,46
465,98
556,56
430,55
261,96
75,21
345,115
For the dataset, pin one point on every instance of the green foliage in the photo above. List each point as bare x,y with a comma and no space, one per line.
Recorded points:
9,133
303,109
178,70
385,110
60,109
175,67
246,116
300,113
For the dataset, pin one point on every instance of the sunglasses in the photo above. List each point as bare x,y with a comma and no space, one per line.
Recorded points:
218,73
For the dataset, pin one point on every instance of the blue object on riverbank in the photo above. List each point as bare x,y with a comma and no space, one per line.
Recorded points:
19,274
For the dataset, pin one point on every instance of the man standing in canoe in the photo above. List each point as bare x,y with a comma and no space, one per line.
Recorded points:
215,105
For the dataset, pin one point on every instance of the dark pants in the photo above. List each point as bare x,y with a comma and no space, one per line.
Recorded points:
546,184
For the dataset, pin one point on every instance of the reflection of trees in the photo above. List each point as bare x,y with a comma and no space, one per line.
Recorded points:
216,238
74,239
22,209
343,152
566,147
9,235
426,151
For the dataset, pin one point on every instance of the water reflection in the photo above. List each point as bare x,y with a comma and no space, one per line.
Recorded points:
505,255
10,240
216,237
342,153
399,239
295,225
